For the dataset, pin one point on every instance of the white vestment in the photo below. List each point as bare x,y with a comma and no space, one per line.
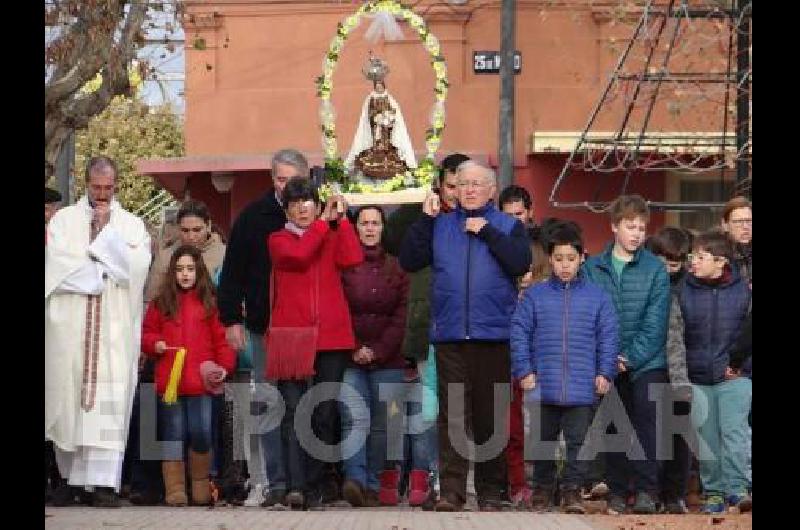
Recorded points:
363,138
93,314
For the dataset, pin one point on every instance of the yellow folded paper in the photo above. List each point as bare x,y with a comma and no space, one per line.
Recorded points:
171,393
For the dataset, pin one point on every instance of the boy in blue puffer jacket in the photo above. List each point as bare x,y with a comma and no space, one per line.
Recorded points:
715,302
564,346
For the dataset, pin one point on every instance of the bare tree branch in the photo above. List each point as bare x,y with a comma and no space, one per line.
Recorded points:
100,39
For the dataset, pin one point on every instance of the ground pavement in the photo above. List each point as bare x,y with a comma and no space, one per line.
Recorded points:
227,518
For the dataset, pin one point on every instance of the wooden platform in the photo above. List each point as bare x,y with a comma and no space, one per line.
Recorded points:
408,196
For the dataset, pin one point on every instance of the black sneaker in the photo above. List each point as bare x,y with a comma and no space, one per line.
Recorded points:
571,502
234,494
329,491
617,504
541,499
313,501
105,498
494,505
644,504
675,505
295,500
63,495
277,497
144,498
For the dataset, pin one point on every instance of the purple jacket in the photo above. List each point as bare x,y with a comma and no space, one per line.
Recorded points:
377,293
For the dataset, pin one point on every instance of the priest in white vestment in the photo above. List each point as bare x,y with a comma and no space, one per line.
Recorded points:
97,258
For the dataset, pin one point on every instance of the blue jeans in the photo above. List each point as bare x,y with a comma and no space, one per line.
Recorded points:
422,444
269,439
719,413
370,422
189,417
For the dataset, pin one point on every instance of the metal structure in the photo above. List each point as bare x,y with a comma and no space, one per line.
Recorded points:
680,93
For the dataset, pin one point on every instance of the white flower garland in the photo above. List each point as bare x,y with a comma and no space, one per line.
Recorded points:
423,175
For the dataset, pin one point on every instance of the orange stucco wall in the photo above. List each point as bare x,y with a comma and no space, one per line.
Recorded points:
251,89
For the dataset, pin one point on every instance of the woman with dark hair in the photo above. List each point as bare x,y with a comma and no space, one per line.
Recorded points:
377,293
308,256
194,228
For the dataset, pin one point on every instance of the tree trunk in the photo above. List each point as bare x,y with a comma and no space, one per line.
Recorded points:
101,39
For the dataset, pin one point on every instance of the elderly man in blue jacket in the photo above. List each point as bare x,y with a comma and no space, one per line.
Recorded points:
475,252
639,286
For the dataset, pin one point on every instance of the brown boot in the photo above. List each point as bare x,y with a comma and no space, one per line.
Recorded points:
199,464
174,473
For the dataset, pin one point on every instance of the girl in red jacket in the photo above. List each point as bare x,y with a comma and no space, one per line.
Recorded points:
307,259
184,315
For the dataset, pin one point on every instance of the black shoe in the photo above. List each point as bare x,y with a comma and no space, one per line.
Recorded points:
494,505
541,499
234,495
571,502
63,495
448,503
295,500
617,504
675,506
329,492
105,498
313,501
144,498
644,504
277,497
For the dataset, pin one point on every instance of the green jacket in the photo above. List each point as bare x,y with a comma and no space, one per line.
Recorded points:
418,316
642,300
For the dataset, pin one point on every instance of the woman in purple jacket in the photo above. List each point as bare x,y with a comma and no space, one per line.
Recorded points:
371,398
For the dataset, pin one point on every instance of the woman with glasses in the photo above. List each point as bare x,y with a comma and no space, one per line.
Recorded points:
737,222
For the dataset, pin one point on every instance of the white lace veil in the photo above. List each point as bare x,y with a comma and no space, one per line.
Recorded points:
400,139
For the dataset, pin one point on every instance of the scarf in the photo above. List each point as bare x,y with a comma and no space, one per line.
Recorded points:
293,228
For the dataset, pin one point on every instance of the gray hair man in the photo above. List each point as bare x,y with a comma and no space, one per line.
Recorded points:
476,252
96,261
244,283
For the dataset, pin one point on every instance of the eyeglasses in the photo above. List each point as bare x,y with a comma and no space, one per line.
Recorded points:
706,256
741,222
472,184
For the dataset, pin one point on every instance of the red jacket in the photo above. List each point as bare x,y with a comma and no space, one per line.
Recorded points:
295,262
203,338
377,291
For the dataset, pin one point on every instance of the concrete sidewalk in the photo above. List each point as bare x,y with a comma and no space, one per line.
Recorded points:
225,518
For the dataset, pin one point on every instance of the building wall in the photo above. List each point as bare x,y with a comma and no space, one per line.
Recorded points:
251,88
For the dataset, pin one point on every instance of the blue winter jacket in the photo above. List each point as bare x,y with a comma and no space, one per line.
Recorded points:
567,334
642,300
713,317
472,289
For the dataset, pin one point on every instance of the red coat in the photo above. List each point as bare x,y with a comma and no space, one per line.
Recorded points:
295,262
204,339
377,291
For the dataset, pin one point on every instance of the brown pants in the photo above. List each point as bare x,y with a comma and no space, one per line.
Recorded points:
477,366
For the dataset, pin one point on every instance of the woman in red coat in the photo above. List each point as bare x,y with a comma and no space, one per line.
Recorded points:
307,259
184,315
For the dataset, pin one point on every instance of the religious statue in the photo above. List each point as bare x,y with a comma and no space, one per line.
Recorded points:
381,147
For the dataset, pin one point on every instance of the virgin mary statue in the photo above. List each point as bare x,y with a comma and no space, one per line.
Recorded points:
381,148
